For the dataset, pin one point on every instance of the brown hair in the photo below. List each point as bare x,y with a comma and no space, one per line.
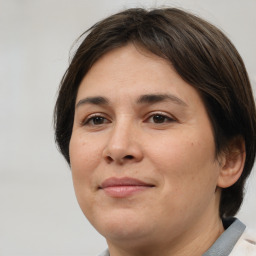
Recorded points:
200,53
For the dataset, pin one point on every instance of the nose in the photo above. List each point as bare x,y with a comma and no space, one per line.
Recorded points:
123,145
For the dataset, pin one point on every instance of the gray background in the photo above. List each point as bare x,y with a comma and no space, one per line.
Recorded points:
39,214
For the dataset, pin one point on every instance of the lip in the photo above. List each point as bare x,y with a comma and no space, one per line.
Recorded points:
123,187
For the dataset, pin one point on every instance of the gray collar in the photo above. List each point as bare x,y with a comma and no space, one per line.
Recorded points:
226,242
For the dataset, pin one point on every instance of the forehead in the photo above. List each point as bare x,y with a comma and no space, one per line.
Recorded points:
127,73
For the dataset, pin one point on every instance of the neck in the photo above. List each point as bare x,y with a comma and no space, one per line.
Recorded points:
195,241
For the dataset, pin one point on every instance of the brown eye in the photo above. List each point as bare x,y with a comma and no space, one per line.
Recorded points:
159,119
96,120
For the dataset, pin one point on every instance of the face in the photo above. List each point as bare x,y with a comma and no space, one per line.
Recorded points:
142,150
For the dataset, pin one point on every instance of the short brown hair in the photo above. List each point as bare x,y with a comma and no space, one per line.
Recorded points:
199,52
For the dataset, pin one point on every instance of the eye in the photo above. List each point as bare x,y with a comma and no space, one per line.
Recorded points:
159,118
95,120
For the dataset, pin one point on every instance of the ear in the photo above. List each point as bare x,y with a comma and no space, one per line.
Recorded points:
232,163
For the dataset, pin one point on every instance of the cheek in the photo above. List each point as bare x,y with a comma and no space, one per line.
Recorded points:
84,159
83,154
185,162
189,176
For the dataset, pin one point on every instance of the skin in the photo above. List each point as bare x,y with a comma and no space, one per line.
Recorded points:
168,144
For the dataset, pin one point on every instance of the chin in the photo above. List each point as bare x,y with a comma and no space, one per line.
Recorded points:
121,224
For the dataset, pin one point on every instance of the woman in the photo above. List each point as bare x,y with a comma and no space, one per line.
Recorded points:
156,117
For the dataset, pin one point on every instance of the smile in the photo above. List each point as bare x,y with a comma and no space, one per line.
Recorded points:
123,187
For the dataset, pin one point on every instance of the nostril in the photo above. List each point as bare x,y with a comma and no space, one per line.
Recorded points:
123,159
109,159
129,157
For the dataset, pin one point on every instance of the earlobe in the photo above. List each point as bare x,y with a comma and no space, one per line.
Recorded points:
232,163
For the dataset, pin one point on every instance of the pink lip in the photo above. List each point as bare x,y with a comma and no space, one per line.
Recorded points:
123,187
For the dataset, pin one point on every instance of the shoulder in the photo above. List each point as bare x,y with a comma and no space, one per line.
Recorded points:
246,245
105,253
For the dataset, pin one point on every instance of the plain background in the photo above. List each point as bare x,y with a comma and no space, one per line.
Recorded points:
39,214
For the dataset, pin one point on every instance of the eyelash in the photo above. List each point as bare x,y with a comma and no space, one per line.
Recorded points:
163,118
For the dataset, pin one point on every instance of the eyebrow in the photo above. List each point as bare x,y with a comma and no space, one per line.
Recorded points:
93,100
143,99
155,98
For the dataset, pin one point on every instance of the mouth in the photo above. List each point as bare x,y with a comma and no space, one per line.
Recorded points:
123,187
